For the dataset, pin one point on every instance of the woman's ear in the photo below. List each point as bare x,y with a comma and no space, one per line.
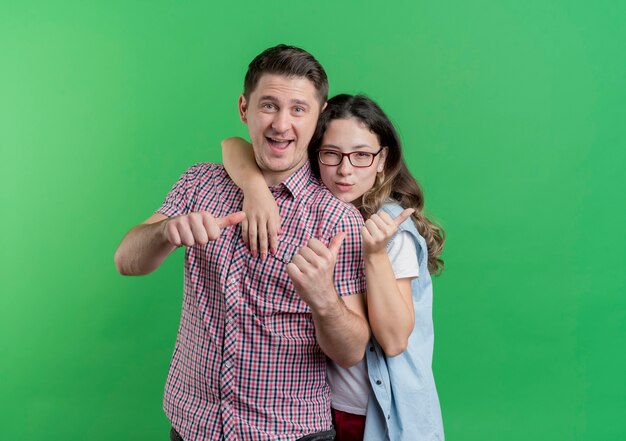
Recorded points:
381,161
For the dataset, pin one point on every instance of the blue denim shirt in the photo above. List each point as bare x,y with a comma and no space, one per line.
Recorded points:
404,404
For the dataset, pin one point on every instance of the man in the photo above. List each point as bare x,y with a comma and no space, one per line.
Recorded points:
249,361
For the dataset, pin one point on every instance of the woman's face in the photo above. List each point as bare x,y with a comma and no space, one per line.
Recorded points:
346,182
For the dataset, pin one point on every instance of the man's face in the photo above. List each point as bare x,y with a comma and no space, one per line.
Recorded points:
281,115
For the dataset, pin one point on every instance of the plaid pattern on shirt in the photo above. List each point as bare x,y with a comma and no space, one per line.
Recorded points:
246,365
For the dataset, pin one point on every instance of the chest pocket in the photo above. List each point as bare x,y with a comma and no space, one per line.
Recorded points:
286,299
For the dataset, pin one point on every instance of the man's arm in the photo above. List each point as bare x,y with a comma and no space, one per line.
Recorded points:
342,330
145,247
341,325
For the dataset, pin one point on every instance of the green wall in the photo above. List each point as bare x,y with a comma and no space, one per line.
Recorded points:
512,115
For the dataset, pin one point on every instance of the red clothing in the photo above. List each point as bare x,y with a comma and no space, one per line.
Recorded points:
246,364
349,426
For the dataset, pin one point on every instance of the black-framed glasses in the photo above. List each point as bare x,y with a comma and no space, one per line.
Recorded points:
357,159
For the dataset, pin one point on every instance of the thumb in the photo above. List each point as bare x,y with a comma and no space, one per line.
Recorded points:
231,219
335,243
403,216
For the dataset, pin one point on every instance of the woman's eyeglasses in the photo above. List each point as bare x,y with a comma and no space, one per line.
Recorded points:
357,159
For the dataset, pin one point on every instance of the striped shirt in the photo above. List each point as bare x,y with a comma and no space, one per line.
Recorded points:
246,364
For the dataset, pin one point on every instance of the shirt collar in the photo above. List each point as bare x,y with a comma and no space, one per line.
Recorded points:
297,183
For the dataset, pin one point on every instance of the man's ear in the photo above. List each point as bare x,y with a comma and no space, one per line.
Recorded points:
243,109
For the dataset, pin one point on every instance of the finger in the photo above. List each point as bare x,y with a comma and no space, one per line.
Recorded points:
272,237
252,237
303,265
310,256
336,242
210,225
231,219
294,272
366,235
319,248
172,234
403,216
279,228
373,228
381,223
186,236
385,217
262,235
385,224
198,229
244,231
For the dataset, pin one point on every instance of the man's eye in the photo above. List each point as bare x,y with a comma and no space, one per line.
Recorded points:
268,106
299,110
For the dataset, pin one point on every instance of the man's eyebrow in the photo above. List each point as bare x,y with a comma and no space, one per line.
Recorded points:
297,101
275,99
268,98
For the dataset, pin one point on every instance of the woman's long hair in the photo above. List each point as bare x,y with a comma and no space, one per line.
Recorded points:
395,181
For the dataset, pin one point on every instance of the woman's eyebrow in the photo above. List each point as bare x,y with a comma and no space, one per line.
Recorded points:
360,146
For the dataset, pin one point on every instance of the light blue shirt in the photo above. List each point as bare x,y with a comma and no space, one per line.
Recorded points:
404,405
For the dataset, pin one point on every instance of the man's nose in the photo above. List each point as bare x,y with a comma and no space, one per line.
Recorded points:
281,122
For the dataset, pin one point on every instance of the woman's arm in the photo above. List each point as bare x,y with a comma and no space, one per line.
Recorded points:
262,225
389,300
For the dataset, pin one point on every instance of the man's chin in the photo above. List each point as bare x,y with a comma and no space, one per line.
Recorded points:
281,165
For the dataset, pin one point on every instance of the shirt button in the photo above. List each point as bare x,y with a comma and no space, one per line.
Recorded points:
227,364
378,382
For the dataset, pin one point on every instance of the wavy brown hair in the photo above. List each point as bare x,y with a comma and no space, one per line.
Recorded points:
395,181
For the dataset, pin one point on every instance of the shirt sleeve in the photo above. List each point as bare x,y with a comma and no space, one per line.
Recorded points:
177,201
349,268
403,255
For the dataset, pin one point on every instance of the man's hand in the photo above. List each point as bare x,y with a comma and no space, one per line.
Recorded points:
379,229
312,272
198,228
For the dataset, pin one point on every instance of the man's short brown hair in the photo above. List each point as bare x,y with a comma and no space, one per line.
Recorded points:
289,61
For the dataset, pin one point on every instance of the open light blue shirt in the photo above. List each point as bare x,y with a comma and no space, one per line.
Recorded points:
404,405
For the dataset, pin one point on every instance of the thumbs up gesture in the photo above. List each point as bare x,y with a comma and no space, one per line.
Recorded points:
312,271
379,229
198,228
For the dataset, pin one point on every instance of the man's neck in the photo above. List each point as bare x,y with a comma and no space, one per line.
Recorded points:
273,178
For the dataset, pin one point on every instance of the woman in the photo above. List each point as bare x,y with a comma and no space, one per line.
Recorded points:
356,152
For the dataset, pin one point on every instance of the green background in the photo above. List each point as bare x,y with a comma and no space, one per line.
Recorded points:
512,116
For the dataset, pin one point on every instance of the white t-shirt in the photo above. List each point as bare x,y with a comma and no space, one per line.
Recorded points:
350,388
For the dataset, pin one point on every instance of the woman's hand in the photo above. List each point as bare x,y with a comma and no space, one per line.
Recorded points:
379,229
261,227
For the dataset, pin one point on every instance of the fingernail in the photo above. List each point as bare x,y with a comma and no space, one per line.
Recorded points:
253,253
273,251
263,256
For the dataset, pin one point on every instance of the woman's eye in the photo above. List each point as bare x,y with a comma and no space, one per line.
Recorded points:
363,155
